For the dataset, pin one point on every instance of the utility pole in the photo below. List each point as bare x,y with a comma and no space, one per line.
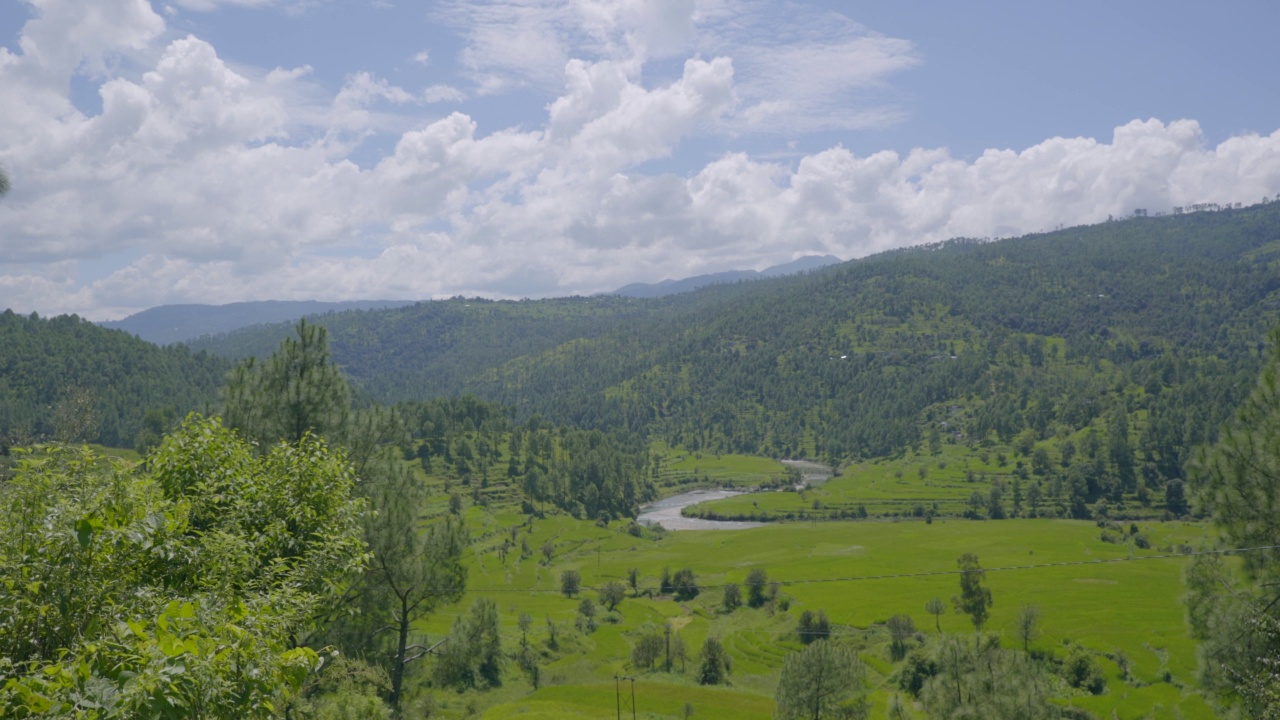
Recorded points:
617,684
666,630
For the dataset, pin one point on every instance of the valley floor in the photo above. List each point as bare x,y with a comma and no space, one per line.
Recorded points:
1118,601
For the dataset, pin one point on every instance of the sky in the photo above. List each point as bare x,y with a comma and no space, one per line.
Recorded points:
215,151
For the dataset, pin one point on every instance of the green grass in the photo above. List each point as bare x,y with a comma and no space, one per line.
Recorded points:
941,482
679,470
1128,606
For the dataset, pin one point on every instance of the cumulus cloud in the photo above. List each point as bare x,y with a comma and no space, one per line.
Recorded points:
200,182
798,70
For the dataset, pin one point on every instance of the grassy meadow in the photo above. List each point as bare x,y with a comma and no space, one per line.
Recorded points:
1127,611
940,482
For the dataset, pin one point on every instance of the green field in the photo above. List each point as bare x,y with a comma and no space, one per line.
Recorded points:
940,482
1126,606
678,470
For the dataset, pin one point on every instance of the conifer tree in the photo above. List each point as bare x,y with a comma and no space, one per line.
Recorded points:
298,390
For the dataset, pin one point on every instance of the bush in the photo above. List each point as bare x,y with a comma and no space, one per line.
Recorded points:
612,593
685,584
915,672
813,626
714,668
1082,671
757,584
648,649
570,582
732,597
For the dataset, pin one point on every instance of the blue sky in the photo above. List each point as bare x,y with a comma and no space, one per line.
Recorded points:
226,150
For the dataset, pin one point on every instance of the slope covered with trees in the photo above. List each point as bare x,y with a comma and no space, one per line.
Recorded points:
1144,330
431,349
66,377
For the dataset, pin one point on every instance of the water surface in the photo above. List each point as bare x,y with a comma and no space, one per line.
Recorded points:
666,512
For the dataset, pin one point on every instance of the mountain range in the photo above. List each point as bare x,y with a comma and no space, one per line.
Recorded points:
167,324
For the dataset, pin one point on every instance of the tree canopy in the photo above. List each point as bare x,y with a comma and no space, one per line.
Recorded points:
1238,623
822,679
174,588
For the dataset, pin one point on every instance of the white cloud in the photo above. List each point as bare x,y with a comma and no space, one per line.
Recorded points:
204,6
422,57
200,182
798,70
443,93
527,43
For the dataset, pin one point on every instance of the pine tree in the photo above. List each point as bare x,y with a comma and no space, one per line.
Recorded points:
297,390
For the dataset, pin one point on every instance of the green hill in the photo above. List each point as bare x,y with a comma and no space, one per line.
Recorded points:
98,384
1156,320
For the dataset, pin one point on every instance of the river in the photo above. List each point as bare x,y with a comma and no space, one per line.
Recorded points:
666,512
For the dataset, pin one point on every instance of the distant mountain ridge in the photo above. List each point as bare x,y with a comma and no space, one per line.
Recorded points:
672,287
168,324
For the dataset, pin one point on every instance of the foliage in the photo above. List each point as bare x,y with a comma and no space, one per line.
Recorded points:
648,648
757,586
1081,670
732,598
985,681
594,474
1238,481
347,689
570,583
472,655
75,416
1027,626
974,599
917,669
172,590
413,571
936,608
612,594
69,378
823,679
685,584
714,666
901,629
813,626
297,390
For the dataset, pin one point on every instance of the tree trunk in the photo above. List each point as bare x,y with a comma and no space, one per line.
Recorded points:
397,674
817,697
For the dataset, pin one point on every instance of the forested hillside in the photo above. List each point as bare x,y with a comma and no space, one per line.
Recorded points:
432,349
586,472
1147,330
69,378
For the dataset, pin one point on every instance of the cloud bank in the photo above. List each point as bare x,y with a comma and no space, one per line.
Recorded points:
200,180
